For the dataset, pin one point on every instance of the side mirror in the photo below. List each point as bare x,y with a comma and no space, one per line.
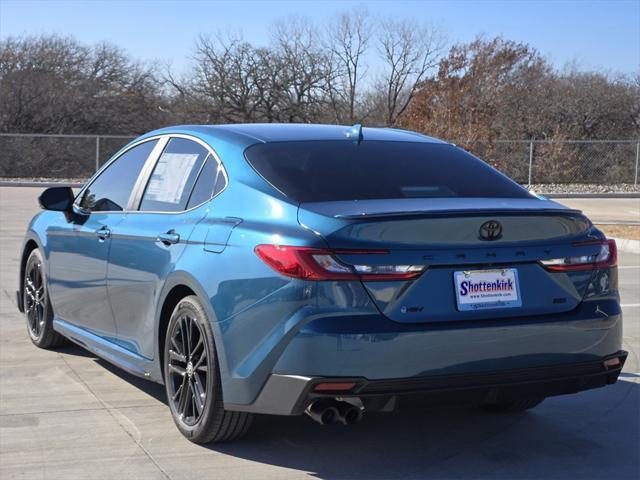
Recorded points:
58,199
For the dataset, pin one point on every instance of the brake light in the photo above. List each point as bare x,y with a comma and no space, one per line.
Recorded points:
606,257
321,264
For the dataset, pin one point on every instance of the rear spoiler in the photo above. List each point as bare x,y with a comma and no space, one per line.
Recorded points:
449,206
460,213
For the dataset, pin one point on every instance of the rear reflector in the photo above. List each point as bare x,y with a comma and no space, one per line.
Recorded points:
612,362
334,387
606,257
322,264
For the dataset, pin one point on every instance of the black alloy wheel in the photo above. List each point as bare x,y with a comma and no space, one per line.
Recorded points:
188,368
37,307
34,299
192,378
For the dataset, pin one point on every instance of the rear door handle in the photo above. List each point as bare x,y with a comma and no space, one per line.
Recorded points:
169,238
103,233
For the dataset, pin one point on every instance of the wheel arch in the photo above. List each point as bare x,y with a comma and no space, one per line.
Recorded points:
178,286
173,297
31,243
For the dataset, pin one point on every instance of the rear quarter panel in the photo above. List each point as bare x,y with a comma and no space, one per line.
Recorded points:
248,303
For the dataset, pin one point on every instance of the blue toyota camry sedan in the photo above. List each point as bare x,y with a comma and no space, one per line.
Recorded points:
326,270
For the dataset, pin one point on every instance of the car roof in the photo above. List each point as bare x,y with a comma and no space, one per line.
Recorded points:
251,133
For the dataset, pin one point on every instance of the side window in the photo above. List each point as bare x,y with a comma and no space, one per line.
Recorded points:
173,176
110,192
211,180
221,182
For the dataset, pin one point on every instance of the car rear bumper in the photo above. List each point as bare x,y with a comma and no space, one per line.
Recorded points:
374,347
291,394
385,352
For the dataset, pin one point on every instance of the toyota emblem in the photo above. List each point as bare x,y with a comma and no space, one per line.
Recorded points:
491,230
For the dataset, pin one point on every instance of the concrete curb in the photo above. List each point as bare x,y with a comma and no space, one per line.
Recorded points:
4,183
592,195
627,245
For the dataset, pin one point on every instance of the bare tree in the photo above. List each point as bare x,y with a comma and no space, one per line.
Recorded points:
409,51
348,40
221,80
236,82
634,104
53,84
305,69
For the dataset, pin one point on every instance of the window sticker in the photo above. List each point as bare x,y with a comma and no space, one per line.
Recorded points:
170,176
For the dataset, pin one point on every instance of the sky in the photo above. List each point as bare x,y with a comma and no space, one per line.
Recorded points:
595,35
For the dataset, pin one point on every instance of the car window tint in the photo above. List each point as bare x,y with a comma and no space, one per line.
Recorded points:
112,189
207,181
318,171
173,176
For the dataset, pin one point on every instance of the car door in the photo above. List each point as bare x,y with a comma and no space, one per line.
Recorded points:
79,246
147,243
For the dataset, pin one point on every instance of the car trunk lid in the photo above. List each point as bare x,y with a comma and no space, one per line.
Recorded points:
447,236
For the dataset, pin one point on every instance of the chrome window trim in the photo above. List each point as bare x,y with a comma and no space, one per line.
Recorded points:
145,174
147,169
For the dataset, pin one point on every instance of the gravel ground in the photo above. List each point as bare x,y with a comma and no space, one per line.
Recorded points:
559,188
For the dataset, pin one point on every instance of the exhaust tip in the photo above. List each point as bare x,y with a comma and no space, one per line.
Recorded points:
353,416
349,414
328,416
322,412
329,411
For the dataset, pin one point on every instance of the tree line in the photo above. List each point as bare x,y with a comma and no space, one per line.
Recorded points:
354,69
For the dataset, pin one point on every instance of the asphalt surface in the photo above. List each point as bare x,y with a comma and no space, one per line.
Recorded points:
66,414
606,210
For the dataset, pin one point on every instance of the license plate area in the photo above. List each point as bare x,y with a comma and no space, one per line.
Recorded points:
487,289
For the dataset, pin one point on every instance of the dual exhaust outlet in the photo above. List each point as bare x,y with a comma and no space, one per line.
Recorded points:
330,411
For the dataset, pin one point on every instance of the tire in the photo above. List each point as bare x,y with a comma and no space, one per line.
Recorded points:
512,407
37,305
191,371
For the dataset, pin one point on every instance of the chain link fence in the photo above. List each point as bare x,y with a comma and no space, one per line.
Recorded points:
541,162
535,162
76,157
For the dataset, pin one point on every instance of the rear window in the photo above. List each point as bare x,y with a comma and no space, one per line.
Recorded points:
320,171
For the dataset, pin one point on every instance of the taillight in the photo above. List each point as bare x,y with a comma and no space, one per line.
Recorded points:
322,264
607,256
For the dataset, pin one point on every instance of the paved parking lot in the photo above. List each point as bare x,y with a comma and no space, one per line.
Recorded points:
609,210
67,414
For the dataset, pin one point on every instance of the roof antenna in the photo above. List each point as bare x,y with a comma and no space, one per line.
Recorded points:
355,133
